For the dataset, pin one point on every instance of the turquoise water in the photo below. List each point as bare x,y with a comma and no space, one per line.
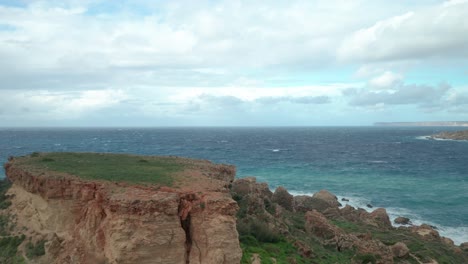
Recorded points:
396,168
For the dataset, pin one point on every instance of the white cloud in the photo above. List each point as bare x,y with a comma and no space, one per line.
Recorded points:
434,32
56,105
70,60
387,80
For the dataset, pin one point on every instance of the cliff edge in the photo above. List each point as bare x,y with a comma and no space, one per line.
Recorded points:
159,210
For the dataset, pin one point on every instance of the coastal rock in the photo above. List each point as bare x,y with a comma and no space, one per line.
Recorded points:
453,135
332,213
375,248
328,197
369,206
304,203
282,197
318,225
344,200
426,231
464,246
400,250
402,221
249,186
381,217
447,241
104,222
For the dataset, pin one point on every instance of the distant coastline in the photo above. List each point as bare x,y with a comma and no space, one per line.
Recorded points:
435,123
456,135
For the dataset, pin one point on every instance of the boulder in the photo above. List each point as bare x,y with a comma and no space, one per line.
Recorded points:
464,246
318,225
400,250
304,203
381,217
447,241
426,231
344,200
249,185
332,213
402,221
283,198
304,250
328,197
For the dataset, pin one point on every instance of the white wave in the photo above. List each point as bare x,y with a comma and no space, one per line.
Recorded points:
430,137
424,137
377,161
457,234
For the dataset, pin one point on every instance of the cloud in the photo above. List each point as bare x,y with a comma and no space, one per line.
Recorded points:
295,100
121,61
56,105
424,96
386,80
435,32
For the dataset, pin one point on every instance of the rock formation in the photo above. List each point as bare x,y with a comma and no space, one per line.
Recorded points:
85,221
455,135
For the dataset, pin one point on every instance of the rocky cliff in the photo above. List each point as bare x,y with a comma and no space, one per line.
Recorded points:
98,221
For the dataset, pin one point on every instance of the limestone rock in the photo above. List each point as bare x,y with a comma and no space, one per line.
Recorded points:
318,225
400,250
464,246
381,216
282,197
402,221
447,241
426,231
249,186
328,197
106,222
304,203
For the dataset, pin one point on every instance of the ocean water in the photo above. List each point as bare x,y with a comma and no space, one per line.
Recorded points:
392,167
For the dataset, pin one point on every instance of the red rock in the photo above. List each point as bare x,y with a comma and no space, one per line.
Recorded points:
328,197
400,250
381,217
105,222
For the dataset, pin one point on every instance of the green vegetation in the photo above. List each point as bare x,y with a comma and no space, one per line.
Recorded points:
111,167
9,249
4,186
282,251
35,250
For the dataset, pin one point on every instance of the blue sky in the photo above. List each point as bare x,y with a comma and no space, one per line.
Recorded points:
232,63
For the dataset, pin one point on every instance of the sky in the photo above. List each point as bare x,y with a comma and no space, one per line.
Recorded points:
232,63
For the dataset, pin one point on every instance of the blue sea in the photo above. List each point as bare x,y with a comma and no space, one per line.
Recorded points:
393,167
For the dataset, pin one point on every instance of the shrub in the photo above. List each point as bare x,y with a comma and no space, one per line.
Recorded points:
35,250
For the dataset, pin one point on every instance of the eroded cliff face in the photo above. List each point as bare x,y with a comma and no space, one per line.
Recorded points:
104,222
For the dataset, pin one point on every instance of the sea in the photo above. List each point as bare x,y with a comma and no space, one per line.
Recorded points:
397,168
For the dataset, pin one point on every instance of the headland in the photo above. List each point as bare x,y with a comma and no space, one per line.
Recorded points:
114,208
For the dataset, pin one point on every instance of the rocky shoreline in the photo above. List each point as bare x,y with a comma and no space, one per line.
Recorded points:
323,231
209,217
456,135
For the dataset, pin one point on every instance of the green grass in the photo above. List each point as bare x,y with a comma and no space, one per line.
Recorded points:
111,167
282,251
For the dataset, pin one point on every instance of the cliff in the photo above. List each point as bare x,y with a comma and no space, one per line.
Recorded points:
184,214
108,208
455,135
